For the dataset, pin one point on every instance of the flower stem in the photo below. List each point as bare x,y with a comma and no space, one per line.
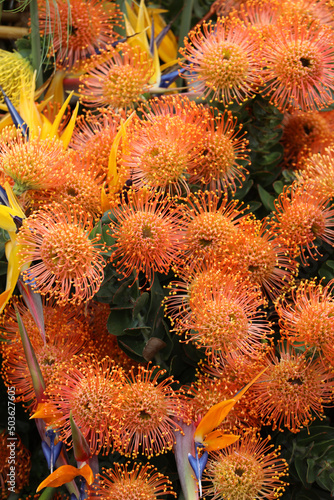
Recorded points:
185,20
36,43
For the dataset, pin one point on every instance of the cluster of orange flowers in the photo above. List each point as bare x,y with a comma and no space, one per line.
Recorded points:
167,169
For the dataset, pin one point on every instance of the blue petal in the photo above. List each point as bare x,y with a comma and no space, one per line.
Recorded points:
47,452
73,497
168,78
56,451
3,197
16,117
152,39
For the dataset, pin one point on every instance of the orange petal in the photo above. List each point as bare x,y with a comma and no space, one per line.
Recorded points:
47,412
213,418
244,389
65,474
216,440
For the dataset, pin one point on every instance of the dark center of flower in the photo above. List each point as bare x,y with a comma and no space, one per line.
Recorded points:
144,415
72,192
147,232
205,242
295,381
239,471
306,63
307,129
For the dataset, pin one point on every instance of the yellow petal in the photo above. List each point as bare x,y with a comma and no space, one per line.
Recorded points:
217,440
6,218
213,418
60,114
56,89
67,134
47,412
29,111
65,474
4,298
105,204
13,201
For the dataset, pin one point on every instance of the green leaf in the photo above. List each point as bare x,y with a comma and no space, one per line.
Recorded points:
140,304
266,198
278,187
119,320
301,470
311,473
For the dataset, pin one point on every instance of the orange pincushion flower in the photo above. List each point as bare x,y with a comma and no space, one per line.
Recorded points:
93,137
303,216
292,392
248,469
148,234
65,336
89,389
212,227
306,133
261,256
219,166
162,150
319,171
91,28
225,61
309,318
12,451
298,70
69,266
227,317
145,411
119,81
35,164
142,482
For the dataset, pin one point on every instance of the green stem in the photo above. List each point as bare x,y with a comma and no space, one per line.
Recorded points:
36,43
185,20
47,493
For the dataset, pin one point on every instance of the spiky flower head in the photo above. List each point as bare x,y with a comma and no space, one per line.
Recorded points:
224,150
78,28
226,317
262,257
67,264
89,389
65,336
248,469
163,149
318,171
142,482
145,413
35,164
293,391
303,218
306,133
223,61
298,72
211,227
16,75
308,318
119,80
148,234
11,447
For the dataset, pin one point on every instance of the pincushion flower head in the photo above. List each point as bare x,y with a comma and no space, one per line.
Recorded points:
35,164
147,233
22,464
65,336
226,317
247,469
293,391
223,61
308,318
124,482
306,133
163,150
304,217
318,171
88,388
219,167
211,227
78,28
117,80
298,72
67,264
145,413
16,72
